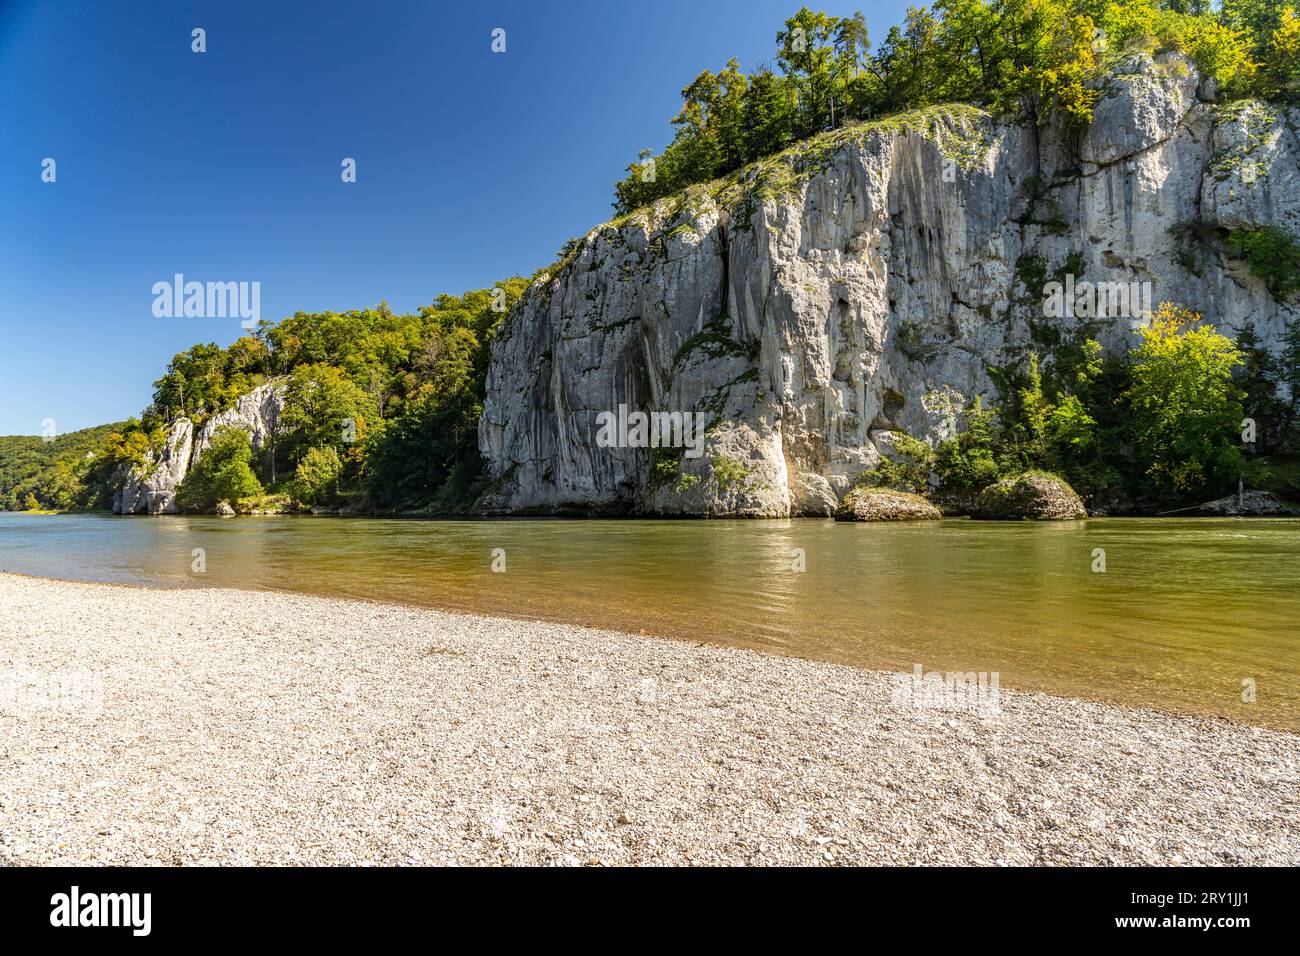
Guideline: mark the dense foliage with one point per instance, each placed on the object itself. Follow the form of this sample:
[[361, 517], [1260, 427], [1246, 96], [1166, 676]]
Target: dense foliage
[[1031, 57], [223, 473], [1179, 419], [1273, 255], [57, 475], [1186, 414], [380, 410], [316, 480]]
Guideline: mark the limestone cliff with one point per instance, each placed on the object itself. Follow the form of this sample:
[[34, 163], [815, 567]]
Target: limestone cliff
[[151, 489], [866, 282], [257, 413]]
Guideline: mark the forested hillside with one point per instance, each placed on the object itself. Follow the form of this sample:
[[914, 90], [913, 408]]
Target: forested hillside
[[380, 410], [60, 474], [1039, 57]]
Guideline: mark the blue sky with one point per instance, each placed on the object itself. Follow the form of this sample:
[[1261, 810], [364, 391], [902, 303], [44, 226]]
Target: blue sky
[[224, 166]]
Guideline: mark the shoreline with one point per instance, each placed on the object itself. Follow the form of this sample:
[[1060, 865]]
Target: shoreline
[[277, 727], [1177, 515], [454, 611]]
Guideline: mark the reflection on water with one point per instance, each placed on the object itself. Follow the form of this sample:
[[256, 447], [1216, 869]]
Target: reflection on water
[[1186, 610]]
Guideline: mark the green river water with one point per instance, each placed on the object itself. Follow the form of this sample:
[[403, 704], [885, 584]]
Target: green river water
[[1186, 610]]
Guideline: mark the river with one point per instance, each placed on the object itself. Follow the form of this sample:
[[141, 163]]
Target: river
[[1185, 615]]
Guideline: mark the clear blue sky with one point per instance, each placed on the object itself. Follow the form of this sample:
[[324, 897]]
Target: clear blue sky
[[472, 166]]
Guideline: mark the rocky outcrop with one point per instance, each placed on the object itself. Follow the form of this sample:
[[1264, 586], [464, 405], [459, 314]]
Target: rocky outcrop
[[257, 413], [151, 489], [1033, 496], [884, 504], [866, 282], [1249, 504]]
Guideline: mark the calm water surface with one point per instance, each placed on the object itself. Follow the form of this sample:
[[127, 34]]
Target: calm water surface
[[1185, 611]]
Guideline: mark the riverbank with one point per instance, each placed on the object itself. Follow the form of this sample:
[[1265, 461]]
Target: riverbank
[[221, 726]]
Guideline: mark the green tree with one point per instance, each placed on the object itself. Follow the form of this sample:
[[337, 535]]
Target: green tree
[[1281, 61], [909, 469], [1068, 65], [193, 384], [1273, 255], [316, 480], [965, 461], [414, 455], [910, 58], [322, 406], [972, 48], [710, 125], [1258, 21], [806, 52], [768, 115], [1258, 377], [223, 473], [1185, 407]]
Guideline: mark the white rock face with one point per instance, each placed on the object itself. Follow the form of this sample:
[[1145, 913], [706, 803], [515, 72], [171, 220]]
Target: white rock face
[[153, 491], [869, 288], [257, 413], [1146, 102]]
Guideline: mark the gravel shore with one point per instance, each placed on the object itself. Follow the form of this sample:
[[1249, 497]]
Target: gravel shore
[[211, 726]]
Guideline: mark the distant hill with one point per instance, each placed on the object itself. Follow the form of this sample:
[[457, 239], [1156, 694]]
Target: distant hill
[[51, 472]]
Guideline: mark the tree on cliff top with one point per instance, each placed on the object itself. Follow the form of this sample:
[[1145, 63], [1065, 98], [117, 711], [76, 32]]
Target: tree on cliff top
[[1038, 57]]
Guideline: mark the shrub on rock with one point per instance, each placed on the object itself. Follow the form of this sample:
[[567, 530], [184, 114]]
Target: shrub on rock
[[1034, 495]]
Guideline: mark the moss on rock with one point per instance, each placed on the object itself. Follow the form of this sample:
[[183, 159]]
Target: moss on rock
[[1034, 495], [884, 504]]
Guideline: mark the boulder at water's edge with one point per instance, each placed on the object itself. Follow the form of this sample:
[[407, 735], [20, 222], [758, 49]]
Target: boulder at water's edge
[[1036, 496]]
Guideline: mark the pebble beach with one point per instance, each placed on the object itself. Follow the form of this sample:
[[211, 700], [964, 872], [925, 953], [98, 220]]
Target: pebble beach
[[213, 726]]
